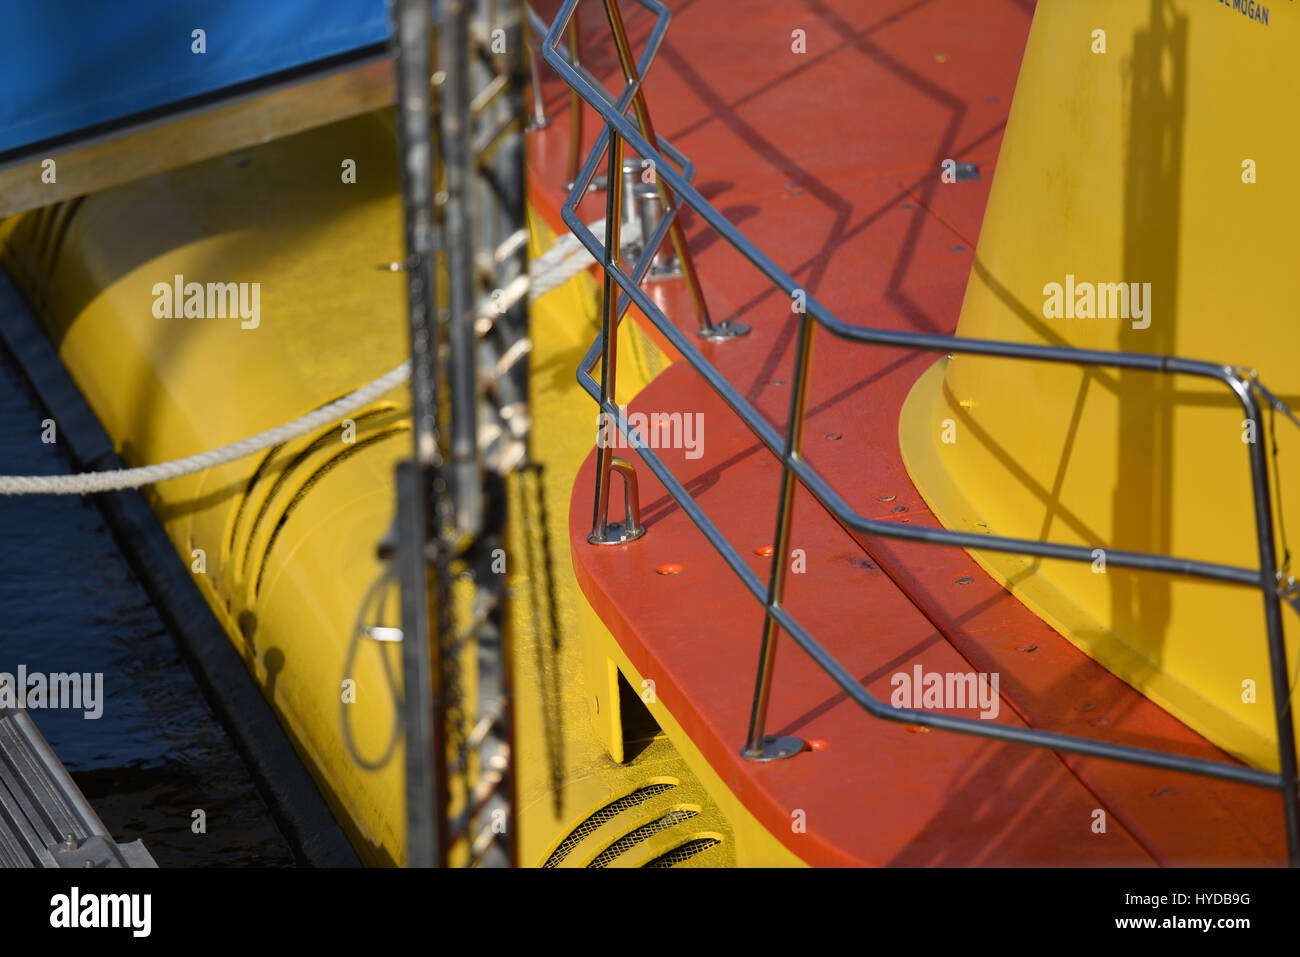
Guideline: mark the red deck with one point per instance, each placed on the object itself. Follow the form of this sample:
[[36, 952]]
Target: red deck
[[829, 161]]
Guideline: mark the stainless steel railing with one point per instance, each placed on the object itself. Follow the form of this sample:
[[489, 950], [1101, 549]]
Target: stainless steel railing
[[584, 177], [794, 469]]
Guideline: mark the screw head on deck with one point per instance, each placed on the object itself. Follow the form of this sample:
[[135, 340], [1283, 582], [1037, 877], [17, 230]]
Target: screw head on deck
[[776, 748]]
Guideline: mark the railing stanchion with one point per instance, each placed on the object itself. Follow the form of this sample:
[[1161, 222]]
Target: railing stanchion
[[719, 332], [760, 746], [603, 531], [576, 107], [1279, 674], [539, 120]]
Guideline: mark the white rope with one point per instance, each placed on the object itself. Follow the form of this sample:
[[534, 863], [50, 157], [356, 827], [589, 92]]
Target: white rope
[[568, 257], [148, 474], [564, 260]]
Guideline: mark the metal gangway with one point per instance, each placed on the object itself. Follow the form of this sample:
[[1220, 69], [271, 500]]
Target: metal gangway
[[45, 820]]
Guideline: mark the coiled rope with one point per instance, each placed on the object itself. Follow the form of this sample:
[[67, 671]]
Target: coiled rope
[[566, 258]]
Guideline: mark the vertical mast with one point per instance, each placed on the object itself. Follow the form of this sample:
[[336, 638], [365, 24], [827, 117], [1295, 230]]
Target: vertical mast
[[461, 120]]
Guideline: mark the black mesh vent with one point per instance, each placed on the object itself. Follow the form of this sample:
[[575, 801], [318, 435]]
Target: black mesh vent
[[645, 831], [684, 852], [607, 813]]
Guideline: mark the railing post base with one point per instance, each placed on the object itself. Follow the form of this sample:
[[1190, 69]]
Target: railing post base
[[616, 533], [597, 185], [775, 748], [605, 532], [723, 331]]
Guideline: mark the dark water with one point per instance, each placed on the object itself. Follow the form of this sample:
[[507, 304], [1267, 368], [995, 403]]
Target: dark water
[[70, 602]]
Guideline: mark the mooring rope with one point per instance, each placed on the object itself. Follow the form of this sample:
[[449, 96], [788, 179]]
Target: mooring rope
[[566, 258]]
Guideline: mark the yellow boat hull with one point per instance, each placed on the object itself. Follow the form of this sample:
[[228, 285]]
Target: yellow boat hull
[[1143, 202], [283, 545]]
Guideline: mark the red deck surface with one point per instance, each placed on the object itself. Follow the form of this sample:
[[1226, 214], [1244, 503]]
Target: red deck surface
[[829, 161]]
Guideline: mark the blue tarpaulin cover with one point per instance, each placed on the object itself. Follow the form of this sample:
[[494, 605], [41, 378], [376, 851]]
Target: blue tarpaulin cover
[[69, 65]]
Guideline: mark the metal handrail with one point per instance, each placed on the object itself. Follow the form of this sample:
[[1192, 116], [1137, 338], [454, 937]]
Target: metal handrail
[[582, 178], [540, 120], [793, 467]]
